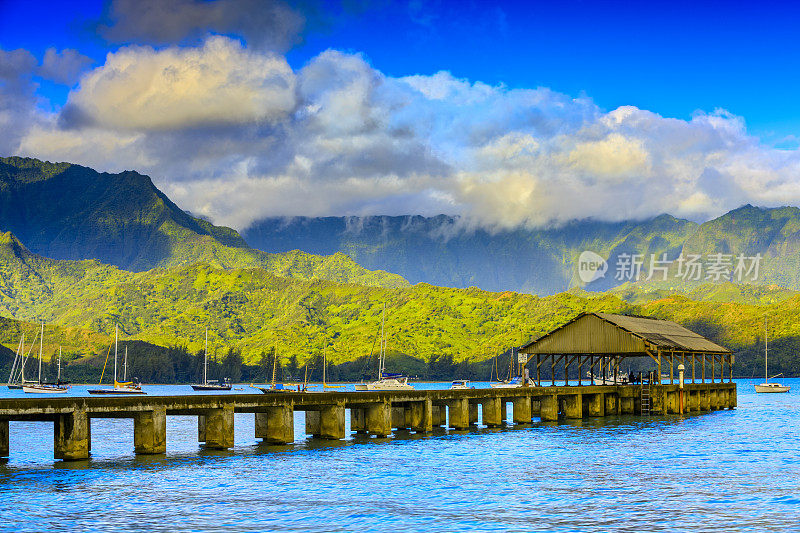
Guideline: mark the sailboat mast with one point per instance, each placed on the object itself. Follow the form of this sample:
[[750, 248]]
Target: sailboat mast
[[58, 378], [41, 342], [766, 352], [22, 369], [274, 365], [324, 365], [382, 352], [125, 365], [116, 339], [205, 361]]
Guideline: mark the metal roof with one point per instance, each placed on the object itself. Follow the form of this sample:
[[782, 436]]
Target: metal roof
[[607, 333]]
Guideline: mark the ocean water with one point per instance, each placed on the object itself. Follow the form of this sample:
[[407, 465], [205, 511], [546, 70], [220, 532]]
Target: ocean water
[[733, 470]]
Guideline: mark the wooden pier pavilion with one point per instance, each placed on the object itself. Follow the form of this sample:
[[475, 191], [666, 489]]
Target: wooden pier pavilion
[[379, 413]]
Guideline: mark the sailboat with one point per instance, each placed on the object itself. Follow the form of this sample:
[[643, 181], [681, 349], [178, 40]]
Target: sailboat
[[324, 367], [385, 381], [16, 380], [767, 386], [513, 382], [44, 388], [124, 387], [211, 384], [274, 387]]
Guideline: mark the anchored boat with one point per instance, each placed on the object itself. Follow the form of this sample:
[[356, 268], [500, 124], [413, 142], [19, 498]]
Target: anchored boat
[[45, 388], [124, 387], [385, 381], [210, 384], [767, 386]]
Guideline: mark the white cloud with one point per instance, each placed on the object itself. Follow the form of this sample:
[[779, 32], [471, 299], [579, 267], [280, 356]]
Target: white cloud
[[139, 88], [235, 135]]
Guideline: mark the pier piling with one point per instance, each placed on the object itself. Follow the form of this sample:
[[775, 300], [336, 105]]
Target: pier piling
[[150, 431], [4, 446], [71, 436], [219, 428]]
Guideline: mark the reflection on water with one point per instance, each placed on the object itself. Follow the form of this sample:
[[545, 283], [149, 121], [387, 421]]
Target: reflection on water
[[725, 471]]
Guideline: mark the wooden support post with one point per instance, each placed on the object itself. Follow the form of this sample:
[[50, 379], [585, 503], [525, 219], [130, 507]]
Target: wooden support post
[[219, 428], [71, 436], [573, 406], [276, 425], [553, 369], [522, 410], [658, 377], [591, 369], [459, 413], [538, 371], [379, 419], [671, 366], [694, 358], [548, 410], [4, 444], [150, 431], [713, 367], [703, 370], [730, 368], [422, 416], [580, 370]]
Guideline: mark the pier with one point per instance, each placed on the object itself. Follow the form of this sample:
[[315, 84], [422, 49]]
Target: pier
[[372, 413]]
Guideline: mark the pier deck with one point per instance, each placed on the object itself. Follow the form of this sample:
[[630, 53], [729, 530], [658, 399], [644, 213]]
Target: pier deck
[[375, 413]]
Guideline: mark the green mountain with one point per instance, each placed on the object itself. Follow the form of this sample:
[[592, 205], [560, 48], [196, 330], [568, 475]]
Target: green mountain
[[438, 250], [66, 211], [441, 251], [253, 311]]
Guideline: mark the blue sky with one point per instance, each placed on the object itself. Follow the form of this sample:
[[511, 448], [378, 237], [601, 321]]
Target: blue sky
[[507, 113]]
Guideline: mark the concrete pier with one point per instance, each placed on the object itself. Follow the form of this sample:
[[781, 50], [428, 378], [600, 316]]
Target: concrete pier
[[219, 428], [379, 419], [150, 431], [275, 425], [374, 413], [71, 436]]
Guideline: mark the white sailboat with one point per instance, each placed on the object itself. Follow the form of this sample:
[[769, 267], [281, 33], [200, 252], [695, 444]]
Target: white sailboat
[[39, 387], [513, 382], [385, 381], [210, 384], [16, 380], [124, 387], [274, 385], [325, 384], [767, 386]]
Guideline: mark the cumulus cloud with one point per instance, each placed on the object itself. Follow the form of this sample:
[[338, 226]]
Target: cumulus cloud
[[139, 88], [264, 24], [63, 67], [235, 135], [17, 101]]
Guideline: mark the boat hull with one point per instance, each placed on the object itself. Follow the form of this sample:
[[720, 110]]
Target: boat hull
[[116, 391], [384, 384], [33, 389], [211, 387], [772, 387]]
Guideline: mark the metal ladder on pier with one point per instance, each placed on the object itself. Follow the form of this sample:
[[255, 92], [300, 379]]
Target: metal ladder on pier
[[645, 395]]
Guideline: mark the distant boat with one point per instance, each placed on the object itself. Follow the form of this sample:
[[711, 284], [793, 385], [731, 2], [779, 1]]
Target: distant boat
[[767, 386], [16, 379], [514, 383], [461, 384], [210, 384], [324, 367], [124, 387], [385, 381], [622, 379], [274, 387], [44, 388]]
